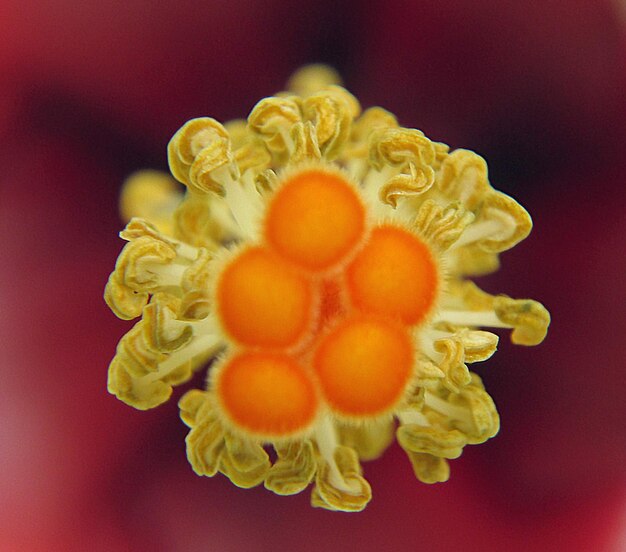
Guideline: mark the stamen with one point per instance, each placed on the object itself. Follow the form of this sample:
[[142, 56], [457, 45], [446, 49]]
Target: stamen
[[315, 219], [443, 407], [412, 417], [150, 195], [327, 443], [394, 275], [266, 394], [487, 319], [244, 203], [167, 275], [478, 231], [201, 346]]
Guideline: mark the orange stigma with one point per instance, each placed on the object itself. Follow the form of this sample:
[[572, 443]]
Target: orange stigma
[[315, 218], [364, 365], [266, 394], [263, 301], [395, 275]]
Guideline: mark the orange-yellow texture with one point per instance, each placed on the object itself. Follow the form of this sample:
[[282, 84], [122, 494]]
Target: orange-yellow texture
[[395, 275], [364, 365], [263, 301], [315, 218], [267, 394]]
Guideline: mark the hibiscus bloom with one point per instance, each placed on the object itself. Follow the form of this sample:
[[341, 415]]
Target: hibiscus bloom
[[91, 99]]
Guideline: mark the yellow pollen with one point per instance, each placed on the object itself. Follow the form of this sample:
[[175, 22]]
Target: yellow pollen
[[267, 394], [364, 365], [315, 219], [263, 301], [394, 275]]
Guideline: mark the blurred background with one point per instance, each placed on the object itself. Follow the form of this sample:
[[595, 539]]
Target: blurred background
[[90, 92]]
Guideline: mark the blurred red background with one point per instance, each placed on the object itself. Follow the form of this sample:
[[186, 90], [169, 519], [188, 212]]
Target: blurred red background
[[90, 92]]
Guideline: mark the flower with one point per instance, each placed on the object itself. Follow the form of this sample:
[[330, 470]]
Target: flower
[[320, 259]]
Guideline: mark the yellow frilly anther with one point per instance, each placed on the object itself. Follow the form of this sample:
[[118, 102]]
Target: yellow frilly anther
[[249, 151], [199, 273], [163, 332], [369, 440], [137, 273], [427, 374], [141, 377], [463, 177], [125, 302], [212, 449], [272, 119], [453, 363], [371, 122], [410, 151], [150, 195], [469, 295], [500, 224], [195, 222], [138, 227], [509, 222], [312, 78], [294, 468], [529, 319], [332, 111], [478, 345], [442, 226], [345, 491], [196, 153], [305, 144], [205, 441], [244, 462], [472, 261], [429, 468], [471, 411], [430, 440], [462, 346], [139, 263]]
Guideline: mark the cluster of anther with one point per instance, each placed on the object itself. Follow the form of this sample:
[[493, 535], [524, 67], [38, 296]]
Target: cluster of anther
[[307, 257], [323, 308]]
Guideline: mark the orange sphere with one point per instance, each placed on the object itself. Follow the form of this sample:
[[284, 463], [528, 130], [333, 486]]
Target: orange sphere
[[364, 365], [266, 394], [315, 218]]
